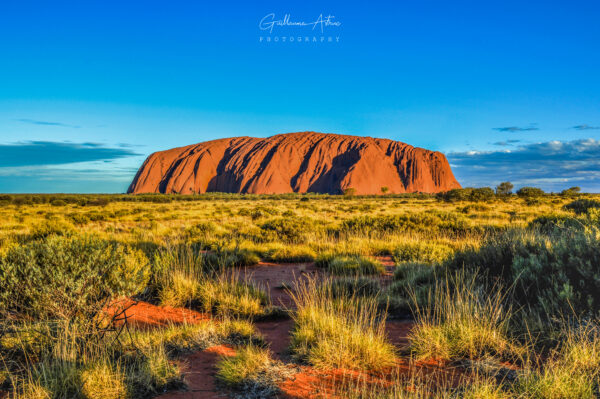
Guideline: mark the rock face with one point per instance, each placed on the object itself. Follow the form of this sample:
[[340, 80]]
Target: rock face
[[295, 162]]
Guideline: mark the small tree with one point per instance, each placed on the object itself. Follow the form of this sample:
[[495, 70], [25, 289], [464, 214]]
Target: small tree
[[385, 189], [571, 191], [504, 188]]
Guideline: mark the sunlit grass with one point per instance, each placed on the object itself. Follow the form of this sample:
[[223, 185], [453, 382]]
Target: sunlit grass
[[339, 331], [461, 321]]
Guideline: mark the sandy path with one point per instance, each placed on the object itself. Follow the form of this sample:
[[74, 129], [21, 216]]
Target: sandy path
[[199, 374]]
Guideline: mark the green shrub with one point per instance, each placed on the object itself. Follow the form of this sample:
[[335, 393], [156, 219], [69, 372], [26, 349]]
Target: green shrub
[[553, 275], [289, 229], [226, 258], [68, 277], [482, 194], [349, 192], [504, 188], [581, 206], [530, 192], [571, 192], [456, 194], [201, 230], [434, 222], [422, 251], [51, 227], [467, 194], [549, 224]]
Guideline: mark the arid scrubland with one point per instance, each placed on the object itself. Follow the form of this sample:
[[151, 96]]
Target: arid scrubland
[[503, 292]]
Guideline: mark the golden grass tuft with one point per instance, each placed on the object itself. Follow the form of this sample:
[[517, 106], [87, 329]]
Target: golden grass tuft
[[343, 332], [460, 321], [103, 381]]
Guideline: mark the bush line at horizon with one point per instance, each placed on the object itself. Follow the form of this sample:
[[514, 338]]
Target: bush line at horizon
[[467, 193], [556, 232]]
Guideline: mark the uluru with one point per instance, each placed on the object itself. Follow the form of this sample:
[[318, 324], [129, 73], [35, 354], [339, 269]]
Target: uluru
[[295, 162]]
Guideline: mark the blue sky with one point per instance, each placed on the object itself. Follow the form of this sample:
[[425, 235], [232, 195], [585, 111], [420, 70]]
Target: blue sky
[[509, 90]]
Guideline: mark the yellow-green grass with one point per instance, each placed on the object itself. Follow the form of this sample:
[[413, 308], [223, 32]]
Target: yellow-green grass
[[339, 332], [75, 364], [223, 295], [185, 279], [416, 385], [571, 371], [135, 364], [148, 223], [253, 370], [460, 321]]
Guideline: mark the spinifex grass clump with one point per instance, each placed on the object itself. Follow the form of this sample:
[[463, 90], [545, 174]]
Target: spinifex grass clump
[[75, 362], [193, 337], [253, 372], [231, 257], [462, 321], [414, 384], [345, 332], [572, 370], [225, 293]]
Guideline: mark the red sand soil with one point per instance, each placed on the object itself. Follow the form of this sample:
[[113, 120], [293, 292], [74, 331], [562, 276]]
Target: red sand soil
[[278, 278], [295, 162], [146, 315], [310, 383], [277, 334], [397, 332]]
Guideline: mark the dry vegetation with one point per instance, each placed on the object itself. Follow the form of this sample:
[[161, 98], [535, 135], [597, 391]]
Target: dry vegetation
[[504, 289]]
